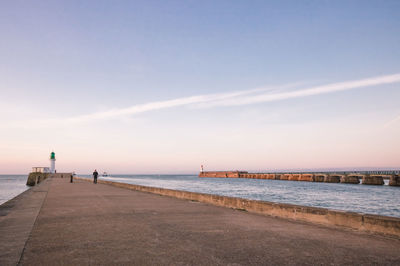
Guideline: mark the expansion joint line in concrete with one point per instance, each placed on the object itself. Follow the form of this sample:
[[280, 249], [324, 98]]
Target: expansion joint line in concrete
[[34, 223]]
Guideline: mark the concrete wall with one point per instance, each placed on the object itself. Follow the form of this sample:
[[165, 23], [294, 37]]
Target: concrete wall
[[222, 174], [36, 177], [394, 180], [332, 178], [294, 177], [349, 178], [319, 177], [373, 180], [307, 177], [362, 222], [61, 175]]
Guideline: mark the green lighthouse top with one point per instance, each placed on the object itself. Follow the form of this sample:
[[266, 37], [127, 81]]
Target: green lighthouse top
[[52, 155]]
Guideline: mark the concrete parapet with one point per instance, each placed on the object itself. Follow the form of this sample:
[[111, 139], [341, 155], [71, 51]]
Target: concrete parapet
[[357, 221], [294, 177], [307, 177], [61, 175], [222, 174], [394, 180], [270, 176], [319, 177], [259, 176], [351, 179], [36, 178], [373, 180], [332, 178], [382, 224]]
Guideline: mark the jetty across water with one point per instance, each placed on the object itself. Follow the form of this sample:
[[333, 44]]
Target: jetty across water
[[80, 223], [366, 177]]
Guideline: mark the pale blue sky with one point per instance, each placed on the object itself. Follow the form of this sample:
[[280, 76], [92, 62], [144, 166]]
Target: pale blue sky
[[64, 60]]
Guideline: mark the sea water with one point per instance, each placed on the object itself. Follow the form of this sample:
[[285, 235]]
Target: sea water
[[382, 200], [11, 186]]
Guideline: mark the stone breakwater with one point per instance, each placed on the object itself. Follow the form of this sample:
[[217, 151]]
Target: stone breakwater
[[358, 221], [347, 178], [35, 178]]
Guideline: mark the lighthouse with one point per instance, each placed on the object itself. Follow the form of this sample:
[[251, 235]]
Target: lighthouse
[[52, 162]]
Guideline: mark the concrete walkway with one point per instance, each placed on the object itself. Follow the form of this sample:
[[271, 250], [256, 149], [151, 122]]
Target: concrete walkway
[[87, 224]]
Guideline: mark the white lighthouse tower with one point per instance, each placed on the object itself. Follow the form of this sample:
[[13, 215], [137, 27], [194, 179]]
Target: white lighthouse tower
[[52, 162]]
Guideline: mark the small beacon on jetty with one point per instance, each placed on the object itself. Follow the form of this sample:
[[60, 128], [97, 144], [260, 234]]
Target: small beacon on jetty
[[52, 162]]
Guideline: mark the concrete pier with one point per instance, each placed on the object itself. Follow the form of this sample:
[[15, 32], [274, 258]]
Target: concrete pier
[[35, 178], [351, 179], [294, 177], [307, 177], [372, 180], [394, 180], [332, 178], [368, 178], [59, 223], [285, 176], [319, 177]]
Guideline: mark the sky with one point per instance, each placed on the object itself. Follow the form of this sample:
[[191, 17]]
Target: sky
[[162, 87]]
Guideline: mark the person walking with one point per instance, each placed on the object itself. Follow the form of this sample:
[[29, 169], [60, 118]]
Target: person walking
[[72, 178], [95, 174]]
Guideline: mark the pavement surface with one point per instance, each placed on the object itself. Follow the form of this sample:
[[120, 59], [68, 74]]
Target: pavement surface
[[59, 223]]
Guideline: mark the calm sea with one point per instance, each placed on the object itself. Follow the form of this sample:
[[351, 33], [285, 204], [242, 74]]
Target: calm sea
[[11, 186], [382, 200]]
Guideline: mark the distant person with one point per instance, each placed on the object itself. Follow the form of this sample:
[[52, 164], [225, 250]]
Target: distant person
[[72, 178], [95, 174]]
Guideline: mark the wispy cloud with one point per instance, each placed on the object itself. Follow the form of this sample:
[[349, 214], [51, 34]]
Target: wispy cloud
[[246, 97], [392, 122], [329, 88], [184, 101]]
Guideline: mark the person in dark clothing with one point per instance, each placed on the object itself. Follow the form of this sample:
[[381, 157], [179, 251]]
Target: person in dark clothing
[[95, 174], [72, 178]]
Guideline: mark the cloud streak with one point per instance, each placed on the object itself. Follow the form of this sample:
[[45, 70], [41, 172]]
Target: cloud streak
[[236, 98], [184, 101], [241, 97], [392, 122], [324, 89]]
